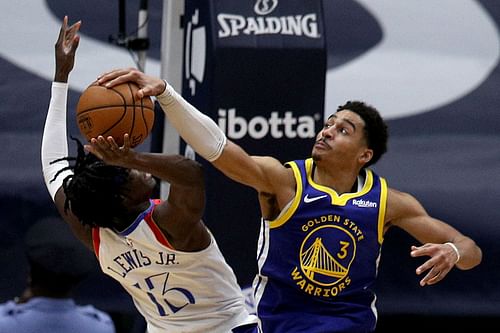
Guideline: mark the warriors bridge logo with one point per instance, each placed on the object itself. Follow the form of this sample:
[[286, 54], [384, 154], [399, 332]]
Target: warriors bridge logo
[[324, 265]]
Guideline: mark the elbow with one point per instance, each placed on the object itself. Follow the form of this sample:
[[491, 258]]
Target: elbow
[[198, 175], [478, 256], [195, 174]]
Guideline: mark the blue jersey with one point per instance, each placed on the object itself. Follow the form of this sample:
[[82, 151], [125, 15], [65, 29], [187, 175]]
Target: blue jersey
[[54, 315], [318, 260]]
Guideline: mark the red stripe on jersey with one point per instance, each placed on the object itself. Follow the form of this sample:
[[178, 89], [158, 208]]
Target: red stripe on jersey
[[160, 237], [96, 240]]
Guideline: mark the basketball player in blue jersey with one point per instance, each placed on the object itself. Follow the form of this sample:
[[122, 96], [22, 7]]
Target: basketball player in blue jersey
[[159, 251], [323, 218]]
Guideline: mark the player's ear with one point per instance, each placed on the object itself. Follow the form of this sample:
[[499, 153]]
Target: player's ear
[[366, 156]]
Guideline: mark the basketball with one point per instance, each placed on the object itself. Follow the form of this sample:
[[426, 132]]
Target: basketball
[[114, 112]]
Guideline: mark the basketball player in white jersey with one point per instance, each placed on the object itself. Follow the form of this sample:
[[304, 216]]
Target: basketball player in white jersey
[[159, 251]]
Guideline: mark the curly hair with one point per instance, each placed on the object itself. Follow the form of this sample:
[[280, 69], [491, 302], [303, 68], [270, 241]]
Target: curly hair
[[376, 130], [94, 190]]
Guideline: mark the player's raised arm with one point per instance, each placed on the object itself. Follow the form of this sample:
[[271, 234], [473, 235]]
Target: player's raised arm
[[54, 141], [445, 246], [265, 174]]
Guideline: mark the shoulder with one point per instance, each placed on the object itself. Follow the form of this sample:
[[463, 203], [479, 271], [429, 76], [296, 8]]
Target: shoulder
[[11, 316], [100, 321], [402, 205], [9, 309], [397, 198], [98, 315]]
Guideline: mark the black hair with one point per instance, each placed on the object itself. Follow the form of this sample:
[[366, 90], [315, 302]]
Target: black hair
[[94, 190], [56, 283], [57, 261], [376, 131]]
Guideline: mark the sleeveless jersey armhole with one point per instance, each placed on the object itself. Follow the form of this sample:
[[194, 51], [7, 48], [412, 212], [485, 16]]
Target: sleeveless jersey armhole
[[158, 233], [381, 212], [291, 207]]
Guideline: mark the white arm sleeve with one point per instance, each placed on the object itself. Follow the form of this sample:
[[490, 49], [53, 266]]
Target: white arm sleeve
[[196, 128], [54, 140]]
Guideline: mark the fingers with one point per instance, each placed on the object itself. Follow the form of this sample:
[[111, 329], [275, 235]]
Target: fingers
[[75, 27], [126, 142], [432, 277], [437, 266], [62, 31], [117, 76], [107, 149], [68, 38], [74, 45], [148, 85], [103, 148], [93, 151]]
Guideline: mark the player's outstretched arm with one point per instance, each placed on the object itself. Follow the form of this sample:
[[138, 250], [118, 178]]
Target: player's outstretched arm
[[265, 174], [445, 246], [54, 140]]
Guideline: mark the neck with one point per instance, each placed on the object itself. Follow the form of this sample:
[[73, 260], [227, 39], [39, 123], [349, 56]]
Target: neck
[[41, 292], [341, 181]]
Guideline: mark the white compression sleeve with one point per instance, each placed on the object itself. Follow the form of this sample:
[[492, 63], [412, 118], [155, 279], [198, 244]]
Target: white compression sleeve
[[196, 128], [54, 140]]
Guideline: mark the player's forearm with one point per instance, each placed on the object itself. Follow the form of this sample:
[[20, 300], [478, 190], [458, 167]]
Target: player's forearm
[[175, 169], [470, 254], [197, 129], [54, 142], [61, 76]]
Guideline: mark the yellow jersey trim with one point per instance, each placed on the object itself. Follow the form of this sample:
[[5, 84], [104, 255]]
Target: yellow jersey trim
[[285, 215], [381, 211], [339, 200]]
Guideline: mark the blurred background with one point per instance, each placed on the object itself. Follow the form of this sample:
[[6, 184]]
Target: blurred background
[[430, 67]]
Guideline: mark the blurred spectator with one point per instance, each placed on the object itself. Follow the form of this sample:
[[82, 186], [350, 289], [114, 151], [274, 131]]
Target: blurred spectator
[[58, 262]]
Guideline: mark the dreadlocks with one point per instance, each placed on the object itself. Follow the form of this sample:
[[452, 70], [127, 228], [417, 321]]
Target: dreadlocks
[[94, 190]]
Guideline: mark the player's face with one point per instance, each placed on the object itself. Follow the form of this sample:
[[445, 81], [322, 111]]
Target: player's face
[[342, 137]]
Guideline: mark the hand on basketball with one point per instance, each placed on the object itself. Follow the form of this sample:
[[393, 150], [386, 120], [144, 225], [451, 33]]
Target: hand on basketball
[[108, 150], [438, 266], [149, 85]]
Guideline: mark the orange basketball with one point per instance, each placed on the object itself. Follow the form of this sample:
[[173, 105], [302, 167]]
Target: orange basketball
[[114, 112]]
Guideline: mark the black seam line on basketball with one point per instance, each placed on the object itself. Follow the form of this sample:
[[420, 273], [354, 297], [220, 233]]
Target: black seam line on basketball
[[116, 123], [133, 114], [103, 132], [144, 120], [124, 113], [112, 106], [148, 130]]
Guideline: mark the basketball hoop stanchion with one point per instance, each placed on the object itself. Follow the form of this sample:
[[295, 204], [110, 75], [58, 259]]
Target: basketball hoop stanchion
[[136, 41], [142, 34], [258, 69]]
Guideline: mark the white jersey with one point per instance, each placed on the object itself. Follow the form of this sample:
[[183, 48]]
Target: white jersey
[[175, 291]]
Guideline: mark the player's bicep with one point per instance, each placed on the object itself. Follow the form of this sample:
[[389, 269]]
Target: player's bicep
[[258, 172], [407, 213]]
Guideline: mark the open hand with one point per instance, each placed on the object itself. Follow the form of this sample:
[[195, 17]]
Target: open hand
[[442, 259], [65, 48], [149, 85], [108, 150]]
